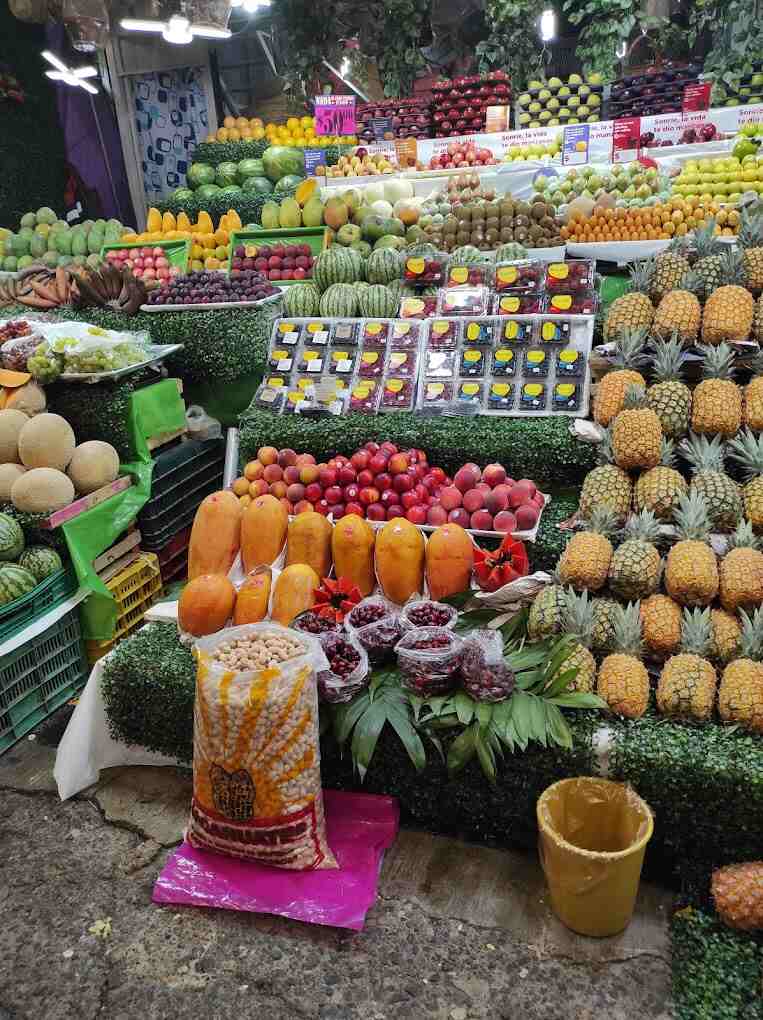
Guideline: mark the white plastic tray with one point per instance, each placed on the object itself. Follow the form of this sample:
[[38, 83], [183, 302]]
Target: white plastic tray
[[620, 252], [158, 353]]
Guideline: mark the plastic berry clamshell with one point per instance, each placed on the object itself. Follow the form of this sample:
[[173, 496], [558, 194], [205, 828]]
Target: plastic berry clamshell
[[418, 307], [500, 396], [281, 359], [364, 397], [461, 274], [581, 302], [479, 332], [425, 271], [371, 363], [345, 334], [554, 331], [565, 396], [404, 333], [397, 394], [570, 277], [470, 393], [403, 364], [513, 332], [316, 333], [298, 400], [533, 396], [285, 333], [519, 277], [536, 364], [503, 363], [342, 360], [270, 395], [570, 364], [440, 364], [436, 394], [376, 332], [464, 301], [312, 362], [473, 362], [518, 304], [443, 335]]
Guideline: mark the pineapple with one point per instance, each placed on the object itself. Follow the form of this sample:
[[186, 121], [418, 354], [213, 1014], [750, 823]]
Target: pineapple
[[669, 397], [686, 688], [668, 270], [607, 485], [623, 681], [679, 312], [753, 391], [546, 617], [578, 623], [740, 698], [658, 488], [717, 401], [636, 433], [610, 391], [709, 480], [585, 561], [634, 310], [751, 242], [747, 450], [740, 572], [661, 622], [727, 634], [636, 565], [730, 308], [709, 267], [757, 321], [603, 629], [737, 891], [691, 571]]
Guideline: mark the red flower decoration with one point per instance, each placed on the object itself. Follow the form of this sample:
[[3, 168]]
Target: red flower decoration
[[495, 569], [335, 598]]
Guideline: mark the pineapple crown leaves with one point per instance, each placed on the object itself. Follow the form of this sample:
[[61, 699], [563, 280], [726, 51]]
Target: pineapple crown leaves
[[604, 451], [635, 398], [733, 270], [641, 274], [706, 242], [692, 283], [743, 538], [629, 349], [691, 518], [678, 246], [578, 617], [669, 358], [696, 632], [667, 453], [751, 638], [746, 449], [626, 635], [718, 361], [750, 229], [703, 453], [643, 527], [601, 522]]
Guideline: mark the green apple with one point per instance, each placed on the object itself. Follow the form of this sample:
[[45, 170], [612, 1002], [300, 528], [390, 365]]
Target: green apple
[[564, 111], [584, 91], [757, 79], [535, 85], [574, 120], [544, 116], [525, 99], [574, 79], [535, 107], [594, 78], [534, 123], [554, 122], [553, 104]]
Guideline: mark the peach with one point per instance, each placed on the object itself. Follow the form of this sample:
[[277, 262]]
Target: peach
[[505, 521], [308, 473], [437, 515], [241, 486], [527, 517], [302, 507], [459, 516], [497, 500], [295, 493], [253, 470], [287, 457], [278, 489], [473, 500], [267, 455], [528, 484], [305, 458], [519, 494], [398, 463], [482, 521], [291, 474], [466, 477], [286, 505], [272, 473], [451, 498], [494, 474], [258, 488]]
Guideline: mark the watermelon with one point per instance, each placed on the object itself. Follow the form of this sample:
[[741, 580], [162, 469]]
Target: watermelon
[[340, 301], [15, 582], [182, 194], [230, 190], [358, 262], [200, 173], [41, 561], [281, 160], [468, 255], [249, 168], [334, 266], [207, 191], [226, 174], [11, 538], [383, 266], [510, 251], [301, 301], [378, 302], [257, 185], [286, 185]]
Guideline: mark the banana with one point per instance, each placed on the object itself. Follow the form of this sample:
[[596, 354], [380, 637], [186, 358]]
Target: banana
[[34, 301]]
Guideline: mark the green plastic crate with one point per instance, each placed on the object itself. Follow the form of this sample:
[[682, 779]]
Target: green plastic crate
[[14, 616], [178, 251], [39, 676], [315, 237]]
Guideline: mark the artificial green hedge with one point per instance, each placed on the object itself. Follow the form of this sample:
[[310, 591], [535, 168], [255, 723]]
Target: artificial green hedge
[[538, 448]]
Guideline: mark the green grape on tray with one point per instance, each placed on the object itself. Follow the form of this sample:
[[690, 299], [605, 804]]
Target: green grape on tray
[[44, 365]]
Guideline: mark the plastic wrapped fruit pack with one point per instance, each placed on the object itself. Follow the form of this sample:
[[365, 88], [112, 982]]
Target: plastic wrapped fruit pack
[[348, 671], [426, 613], [429, 659], [375, 624]]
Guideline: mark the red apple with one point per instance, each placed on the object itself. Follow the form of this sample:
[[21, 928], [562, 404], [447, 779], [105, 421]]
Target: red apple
[[388, 447], [322, 507], [417, 515], [347, 475], [421, 491], [505, 521], [438, 473], [395, 511], [459, 516], [369, 495], [402, 483], [437, 515], [378, 463], [398, 463], [473, 500], [350, 492], [327, 476], [291, 474], [409, 499], [333, 494], [376, 512], [360, 460], [287, 457], [354, 508], [482, 521], [372, 448], [313, 492], [383, 481], [451, 498], [494, 474], [364, 478], [337, 511], [341, 459], [295, 492], [389, 498]]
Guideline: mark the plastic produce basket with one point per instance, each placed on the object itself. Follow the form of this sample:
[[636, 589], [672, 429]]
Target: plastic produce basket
[[39, 676], [14, 616], [315, 237], [134, 590], [177, 252]]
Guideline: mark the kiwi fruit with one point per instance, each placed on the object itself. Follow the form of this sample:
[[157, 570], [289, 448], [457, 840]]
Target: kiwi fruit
[[522, 209], [463, 212], [538, 210], [462, 237], [493, 209], [521, 221], [491, 236], [450, 226], [478, 214], [548, 223], [535, 231], [537, 198], [506, 234], [492, 223], [520, 234], [507, 208]]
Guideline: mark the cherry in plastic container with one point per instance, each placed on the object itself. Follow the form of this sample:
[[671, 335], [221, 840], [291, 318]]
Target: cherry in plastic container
[[419, 613], [429, 659], [311, 623], [349, 668], [375, 625]]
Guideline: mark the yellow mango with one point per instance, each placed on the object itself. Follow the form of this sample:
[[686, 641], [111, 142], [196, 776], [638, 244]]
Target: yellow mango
[[205, 223], [182, 222], [233, 220]]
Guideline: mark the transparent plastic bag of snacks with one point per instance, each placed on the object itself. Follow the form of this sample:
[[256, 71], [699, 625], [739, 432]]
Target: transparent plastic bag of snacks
[[483, 666], [16, 352], [375, 624], [432, 669], [338, 687], [419, 612], [256, 759]]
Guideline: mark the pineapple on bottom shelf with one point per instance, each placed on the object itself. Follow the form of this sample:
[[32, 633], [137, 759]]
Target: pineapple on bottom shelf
[[729, 309], [623, 681], [669, 396], [747, 450], [727, 634], [740, 571], [669, 268], [611, 389], [717, 400], [691, 569], [737, 890], [585, 561], [751, 243], [679, 313], [686, 688], [740, 697], [636, 433], [578, 624], [636, 565], [634, 310], [753, 391], [709, 267], [661, 625], [710, 481], [547, 612], [606, 485], [659, 488]]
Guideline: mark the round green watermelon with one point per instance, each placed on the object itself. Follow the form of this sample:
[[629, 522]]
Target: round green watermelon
[[283, 161], [250, 168], [285, 185], [257, 185], [231, 190], [15, 582], [41, 561], [182, 194], [207, 191], [226, 174], [11, 538], [200, 173]]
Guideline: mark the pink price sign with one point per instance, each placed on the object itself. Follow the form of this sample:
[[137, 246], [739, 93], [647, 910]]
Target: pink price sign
[[335, 115]]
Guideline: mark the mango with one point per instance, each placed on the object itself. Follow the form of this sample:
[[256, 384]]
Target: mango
[[308, 540], [449, 561], [289, 214], [335, 213], [294, 592], [352, 546], [400, 560]]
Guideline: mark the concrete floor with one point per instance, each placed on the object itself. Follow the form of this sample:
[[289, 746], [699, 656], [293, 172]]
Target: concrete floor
[[458, 933]]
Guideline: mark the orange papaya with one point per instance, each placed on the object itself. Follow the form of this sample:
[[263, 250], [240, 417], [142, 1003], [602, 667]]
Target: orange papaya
[[253, 597], [215, 535], [309, 541], [352, 546], [449, 561], [400, 560], [293, 593], [263, 531], [205, 604]]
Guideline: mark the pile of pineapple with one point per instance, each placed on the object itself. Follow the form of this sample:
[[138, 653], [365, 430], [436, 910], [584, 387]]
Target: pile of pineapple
[[641, 585]]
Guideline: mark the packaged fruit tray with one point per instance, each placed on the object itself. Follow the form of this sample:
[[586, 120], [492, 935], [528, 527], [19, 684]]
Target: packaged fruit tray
[[309, 240], [177, 252], [156, 352]]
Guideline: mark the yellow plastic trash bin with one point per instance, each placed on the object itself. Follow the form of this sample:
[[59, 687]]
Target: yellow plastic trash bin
[[593, 835]]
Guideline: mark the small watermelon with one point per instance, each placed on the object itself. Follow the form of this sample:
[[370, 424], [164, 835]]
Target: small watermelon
[[383, 266], [378, 302], [41, 561], [334, 266], [15, 582], [11, 538], [510, 251], [286, 185], [340, 301], [301, 301]]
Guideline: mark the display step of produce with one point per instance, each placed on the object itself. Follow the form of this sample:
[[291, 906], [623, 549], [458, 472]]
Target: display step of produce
[[460, 105], [556, 101], [42, 237], [656, 90]]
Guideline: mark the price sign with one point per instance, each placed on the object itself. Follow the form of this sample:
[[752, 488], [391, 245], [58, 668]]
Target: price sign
[[625, 139], [406, 151], [575, 148], [335, 115], [313, 158], [382, 128], [696, 97]]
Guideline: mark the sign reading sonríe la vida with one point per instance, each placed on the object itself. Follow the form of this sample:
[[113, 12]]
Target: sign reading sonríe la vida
[[335, 115]]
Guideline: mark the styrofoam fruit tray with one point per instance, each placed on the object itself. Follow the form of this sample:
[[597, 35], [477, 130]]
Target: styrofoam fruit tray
[[157, 352]]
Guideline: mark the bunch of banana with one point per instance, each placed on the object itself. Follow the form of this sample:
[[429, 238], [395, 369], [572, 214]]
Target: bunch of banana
[[38, 287], [113, 288]]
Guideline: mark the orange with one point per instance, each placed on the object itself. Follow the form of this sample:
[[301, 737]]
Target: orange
[[229, 122], [222, 134]]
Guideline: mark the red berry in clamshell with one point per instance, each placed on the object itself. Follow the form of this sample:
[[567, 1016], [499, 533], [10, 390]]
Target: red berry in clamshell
[[505, 521], [376, 512], [482, 521]]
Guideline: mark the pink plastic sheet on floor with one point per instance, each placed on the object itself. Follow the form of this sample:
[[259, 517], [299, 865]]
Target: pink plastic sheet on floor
[[360, 827]]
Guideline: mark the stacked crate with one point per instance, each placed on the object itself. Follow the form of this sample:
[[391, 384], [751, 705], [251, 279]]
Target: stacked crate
[[135, 589]]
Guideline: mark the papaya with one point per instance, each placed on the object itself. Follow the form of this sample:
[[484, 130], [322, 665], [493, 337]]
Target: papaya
[[204, 223], [400, 560], [263, 531], [294, 592], [352, 547], [253, 597], [153, 220], [206, 604], [309, 541], [449, 561], [215, 535]]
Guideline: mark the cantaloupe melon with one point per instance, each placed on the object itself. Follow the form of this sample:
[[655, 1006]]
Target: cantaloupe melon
[[93, 465], [46, 441], [8, 475], [11, 423], [30, 399], [41, 491]]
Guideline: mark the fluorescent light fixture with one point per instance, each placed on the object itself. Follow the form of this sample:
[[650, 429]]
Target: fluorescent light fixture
[[177, 30], [344, 70], [621, 50], [548, 25], [74, 76], [252, 6]]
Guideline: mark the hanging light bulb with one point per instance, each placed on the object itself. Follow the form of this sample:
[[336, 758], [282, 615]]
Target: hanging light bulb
[[548, 25], [74, 76], [621, 50], [178, 29]]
